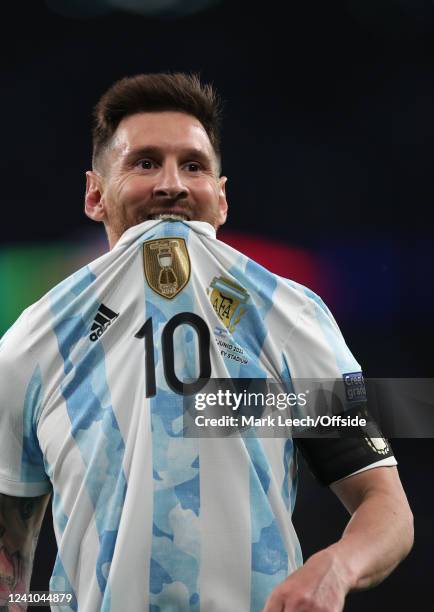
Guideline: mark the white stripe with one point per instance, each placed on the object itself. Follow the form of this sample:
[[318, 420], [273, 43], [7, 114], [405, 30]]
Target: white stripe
[[224, 581], [308, 339]]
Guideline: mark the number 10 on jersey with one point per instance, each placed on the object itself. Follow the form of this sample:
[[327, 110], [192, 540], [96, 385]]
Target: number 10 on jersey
[[167, 349]]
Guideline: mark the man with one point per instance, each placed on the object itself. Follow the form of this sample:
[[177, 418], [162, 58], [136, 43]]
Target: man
[[93, 378]]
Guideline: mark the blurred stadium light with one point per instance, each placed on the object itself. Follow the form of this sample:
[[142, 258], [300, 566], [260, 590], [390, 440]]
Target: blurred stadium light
[[29, 271], [148, 8], [340, 273]]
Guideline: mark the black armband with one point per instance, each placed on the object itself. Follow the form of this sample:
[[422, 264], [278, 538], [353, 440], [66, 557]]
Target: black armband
[[333, 458]]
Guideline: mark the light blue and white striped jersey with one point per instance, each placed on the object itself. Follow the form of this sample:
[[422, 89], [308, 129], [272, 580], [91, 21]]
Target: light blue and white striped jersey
[[89, 409]]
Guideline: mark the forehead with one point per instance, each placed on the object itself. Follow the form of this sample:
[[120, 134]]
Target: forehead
[[171, 131]]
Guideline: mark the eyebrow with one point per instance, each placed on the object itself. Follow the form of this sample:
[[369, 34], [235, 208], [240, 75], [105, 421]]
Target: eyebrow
[[154, 151]]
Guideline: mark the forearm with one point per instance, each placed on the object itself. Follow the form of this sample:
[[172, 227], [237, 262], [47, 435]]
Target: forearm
[[16, 563], [378, 536], [15, 573], [20, 520]]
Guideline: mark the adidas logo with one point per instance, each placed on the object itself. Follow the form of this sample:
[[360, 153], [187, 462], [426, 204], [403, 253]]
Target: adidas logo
[[103, 318]]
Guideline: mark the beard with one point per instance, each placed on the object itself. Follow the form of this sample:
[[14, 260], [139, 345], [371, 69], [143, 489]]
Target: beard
[[120, 221], [122, 218]]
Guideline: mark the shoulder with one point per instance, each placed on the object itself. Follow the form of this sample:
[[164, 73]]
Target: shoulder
[[310, 304]]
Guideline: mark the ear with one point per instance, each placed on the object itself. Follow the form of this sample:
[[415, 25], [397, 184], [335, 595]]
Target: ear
[[223, 204], [93, 201]]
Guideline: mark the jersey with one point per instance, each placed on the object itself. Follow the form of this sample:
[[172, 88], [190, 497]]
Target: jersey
[[89, 410]]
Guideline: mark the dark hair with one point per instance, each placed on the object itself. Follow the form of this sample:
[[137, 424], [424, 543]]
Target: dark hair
[[155, 93]]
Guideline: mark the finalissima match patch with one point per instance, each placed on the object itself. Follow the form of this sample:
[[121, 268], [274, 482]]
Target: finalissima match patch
[[354, 384]]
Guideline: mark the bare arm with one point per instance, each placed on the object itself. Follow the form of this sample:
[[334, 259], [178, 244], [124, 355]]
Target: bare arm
[[377, 538], [379, 534], [20, 522]]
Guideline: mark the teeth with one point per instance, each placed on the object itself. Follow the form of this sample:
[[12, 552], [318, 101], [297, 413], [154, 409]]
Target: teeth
[[173, 216]]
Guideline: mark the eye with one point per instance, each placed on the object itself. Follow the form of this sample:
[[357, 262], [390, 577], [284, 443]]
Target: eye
[[145, 164], [193, 167]]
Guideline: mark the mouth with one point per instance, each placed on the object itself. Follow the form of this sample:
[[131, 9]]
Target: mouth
[[173, 216]]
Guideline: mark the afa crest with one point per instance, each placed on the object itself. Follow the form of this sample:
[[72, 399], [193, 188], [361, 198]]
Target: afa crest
[[167, 265], [227, 299]]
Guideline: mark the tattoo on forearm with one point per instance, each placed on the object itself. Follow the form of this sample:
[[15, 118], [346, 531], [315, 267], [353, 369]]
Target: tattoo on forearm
[[26, 508], [11, 568], [20, 520]]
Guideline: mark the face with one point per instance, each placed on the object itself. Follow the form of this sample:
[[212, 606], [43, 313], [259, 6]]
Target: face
[[157, 164]]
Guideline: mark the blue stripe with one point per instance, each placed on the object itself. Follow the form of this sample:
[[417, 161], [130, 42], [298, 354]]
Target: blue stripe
[[32, 460], [59, 581]]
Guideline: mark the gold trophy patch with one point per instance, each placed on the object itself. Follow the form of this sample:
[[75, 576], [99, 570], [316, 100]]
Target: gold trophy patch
[[167, 265]]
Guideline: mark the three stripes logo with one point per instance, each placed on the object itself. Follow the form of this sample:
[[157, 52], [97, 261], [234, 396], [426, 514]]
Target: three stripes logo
[[103, 318]]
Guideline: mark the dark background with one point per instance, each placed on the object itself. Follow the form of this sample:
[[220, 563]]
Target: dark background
[[327, 143]]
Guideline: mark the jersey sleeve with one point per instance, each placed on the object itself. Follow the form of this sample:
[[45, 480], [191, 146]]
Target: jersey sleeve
[[22, 472], [315, 346], [316, 349]]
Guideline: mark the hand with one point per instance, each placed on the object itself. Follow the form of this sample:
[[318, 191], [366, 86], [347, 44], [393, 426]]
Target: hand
[[320, 585]]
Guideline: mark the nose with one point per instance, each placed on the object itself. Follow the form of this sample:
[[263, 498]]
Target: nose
[[169, 184]]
